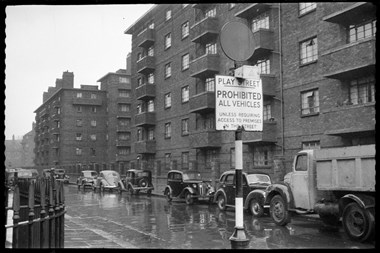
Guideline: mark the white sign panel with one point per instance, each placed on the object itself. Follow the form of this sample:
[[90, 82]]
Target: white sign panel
[[238, 102]]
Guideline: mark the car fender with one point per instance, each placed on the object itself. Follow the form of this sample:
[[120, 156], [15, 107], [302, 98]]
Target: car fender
[[220, 192], [104, 182], [121, 184], [189, 189], [280, 189], [258, 194], [168, 188]]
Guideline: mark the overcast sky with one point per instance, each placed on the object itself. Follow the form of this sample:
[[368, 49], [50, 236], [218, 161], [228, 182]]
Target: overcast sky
[[44, 41]]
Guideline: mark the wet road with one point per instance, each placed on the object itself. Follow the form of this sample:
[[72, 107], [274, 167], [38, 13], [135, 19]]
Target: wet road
[[111, 220]]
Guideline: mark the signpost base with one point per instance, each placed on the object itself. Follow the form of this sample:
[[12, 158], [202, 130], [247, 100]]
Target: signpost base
[[239, 239]]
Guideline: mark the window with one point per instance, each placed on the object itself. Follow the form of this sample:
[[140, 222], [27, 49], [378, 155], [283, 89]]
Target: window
[[151, 26], [301, 163], [211, 12], [168, 100], [230, 179], [210, 158], [139, 134], [260, 21], [309, 51], [93, 137], [168, 41], [79, 94], [311, 145], [262, 156], [362, 31], [306, 7], [124, 93], [151, 51], [211, 48], [79, 108], [263, 66], [124, 151], [310, 102], [232, 157], [58, 110], [124, 122], [93, 123], [185, 160], [93, 96], [185, 127], [124, 136], [92, 151], [150, 106], [168, 159], [123, 80], [124, 107], [168, 15], [151, 134], [93, 109], [79, 137], [139, 109], [139, 82], [210, 84], [78, 151], [151, 78], [79, 122], [267, 111], [362, 90], [58, 124], [168, 130], [185, 30], [168, 70], [185, 94], [139, 56], [185, 61]]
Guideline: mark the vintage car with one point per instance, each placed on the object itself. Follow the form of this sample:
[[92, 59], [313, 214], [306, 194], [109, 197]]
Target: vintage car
[[46, 173], [254, 186], [138, 180], [189, 186], [21, 174], [108, 180], [60, 174], [86, 178]]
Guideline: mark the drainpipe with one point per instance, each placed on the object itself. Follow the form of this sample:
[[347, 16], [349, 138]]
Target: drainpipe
[[281, 81]]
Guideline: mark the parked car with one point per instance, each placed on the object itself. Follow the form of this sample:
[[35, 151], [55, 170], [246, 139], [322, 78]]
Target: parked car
[[46, 173], [60, 174], [86, 178], [254, 186], [21, 174], [138, 180], [188, 186], [108, 180]]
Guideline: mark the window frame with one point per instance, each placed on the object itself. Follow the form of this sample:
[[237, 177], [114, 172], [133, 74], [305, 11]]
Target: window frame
[[304, 52], [167, 41], [185, 96], [167, 100], [168, 70], [316, 103], [185, 64], [185, 127], [307, 8], [185, 32], [168, 130]]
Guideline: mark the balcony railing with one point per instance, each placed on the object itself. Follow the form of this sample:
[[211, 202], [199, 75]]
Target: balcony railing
[[203, 102], [122, 114], [145, 118], [204, 30], [145, 147], [205, 139], [205, 65], [146, 91], [87, 101], [268, 83], [146, 38], [268, 135], [254, 10], [123, 143], [146, 65]]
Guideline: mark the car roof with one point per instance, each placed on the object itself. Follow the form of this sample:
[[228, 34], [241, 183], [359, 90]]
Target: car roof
[[108, 171], [89, 171], [175, 171]]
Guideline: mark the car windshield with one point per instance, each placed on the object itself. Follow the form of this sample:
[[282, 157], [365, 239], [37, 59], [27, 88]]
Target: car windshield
[[90, 173], [258, 178], [192, 176], [111, 174], [143, 174], [60, 171]]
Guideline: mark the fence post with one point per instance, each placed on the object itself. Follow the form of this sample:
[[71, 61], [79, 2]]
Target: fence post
[[56, 209], [43, 212], [51, 213], [31, 212], [62, 199], [16, 211]]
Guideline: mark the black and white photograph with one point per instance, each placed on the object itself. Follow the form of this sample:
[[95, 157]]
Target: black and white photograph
[[190, 125]]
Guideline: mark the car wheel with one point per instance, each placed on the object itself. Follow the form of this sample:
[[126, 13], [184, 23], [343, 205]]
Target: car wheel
[[101, 187], [188, 199], [221, 201], [168, 196], [358, 223], [257, 210], [279, 211], [143, 183], [131, 191], [149, 192]]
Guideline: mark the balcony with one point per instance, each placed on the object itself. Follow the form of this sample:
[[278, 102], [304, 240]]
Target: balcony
[[268, 83], [44, 113], [124, 143], [254, 10], [205, 65], [146, 91], [123, 129], [87, 101], [263, 40], [146, 38], [120, 158], [359, 58], [123, 114], [204, 30], [267, 136], [202, 6], [146, 65], [350, 119], [203, 102], [357, 11], [205, 139], [145, 147], [124, 100], [145, 119]]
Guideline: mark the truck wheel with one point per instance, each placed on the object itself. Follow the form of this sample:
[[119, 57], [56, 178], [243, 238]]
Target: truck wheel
[[257, 210], [168, 196], [188, 199], [358, 223], [221, 201], [279, 211]]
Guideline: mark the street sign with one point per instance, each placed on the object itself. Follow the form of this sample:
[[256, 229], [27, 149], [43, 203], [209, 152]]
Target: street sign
[[238, 102]]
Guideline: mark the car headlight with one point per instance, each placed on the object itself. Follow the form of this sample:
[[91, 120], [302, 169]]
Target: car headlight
[[194, 185]]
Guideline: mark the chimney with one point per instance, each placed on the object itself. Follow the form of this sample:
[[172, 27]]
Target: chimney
[[68, 79]]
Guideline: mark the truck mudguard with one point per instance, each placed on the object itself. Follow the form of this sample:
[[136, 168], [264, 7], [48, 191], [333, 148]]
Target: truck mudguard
[[255, 194], [363, 200], [281, 189]]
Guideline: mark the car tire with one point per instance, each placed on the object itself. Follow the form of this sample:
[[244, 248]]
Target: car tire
[[168, 196], [101, 186], [188, 199], [131, 191], [143, 182], [221, 202], [279, 211], [358, 223], [256, 209]]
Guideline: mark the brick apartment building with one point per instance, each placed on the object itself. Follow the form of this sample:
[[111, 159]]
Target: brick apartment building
[[317, 63]]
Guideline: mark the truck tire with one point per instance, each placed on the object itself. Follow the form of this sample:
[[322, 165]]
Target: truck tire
[[279, 211], [256, 209], [221, 202], [358, 223], [188, 199]]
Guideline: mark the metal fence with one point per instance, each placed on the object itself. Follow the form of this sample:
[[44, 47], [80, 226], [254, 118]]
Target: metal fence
[[38, 212]]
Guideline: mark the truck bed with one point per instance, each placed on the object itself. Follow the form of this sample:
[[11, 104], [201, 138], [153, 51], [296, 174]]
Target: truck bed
[[346, 169]]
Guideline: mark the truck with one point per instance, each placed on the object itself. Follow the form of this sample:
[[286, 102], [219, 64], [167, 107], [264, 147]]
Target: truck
[[338, 184]]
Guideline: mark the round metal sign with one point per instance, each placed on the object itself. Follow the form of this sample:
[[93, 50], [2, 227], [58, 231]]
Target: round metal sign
[[236, 40]]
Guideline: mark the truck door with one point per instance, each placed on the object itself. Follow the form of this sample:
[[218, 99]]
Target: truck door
[[300, 183]]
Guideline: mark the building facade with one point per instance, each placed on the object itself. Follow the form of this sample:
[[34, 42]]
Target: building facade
[[316, 61]]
